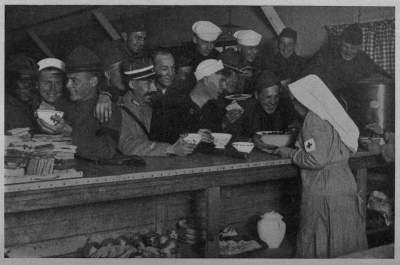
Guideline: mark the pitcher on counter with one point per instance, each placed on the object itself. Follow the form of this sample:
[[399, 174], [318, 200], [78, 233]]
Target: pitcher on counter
[[332, 221]]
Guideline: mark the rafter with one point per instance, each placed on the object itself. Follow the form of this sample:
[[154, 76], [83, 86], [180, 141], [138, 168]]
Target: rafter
[[273, 18], [112, 32], [40, 43]]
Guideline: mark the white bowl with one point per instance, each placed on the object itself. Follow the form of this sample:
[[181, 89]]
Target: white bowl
[[233, 106], [221, 139], [276, 138], [47, 115], [244, 147], [192, 138]]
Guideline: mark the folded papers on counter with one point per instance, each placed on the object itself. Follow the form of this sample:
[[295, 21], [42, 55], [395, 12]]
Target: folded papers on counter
[[35, 155], [20, 132], [57, 146]]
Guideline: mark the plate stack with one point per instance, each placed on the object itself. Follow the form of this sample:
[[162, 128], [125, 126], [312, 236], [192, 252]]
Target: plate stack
[[189, 235], [231, 243]]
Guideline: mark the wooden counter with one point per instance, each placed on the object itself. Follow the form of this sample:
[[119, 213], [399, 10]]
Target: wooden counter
[[38, 215]]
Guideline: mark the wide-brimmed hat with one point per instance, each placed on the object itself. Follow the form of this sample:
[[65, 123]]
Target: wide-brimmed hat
[[82, 59], [22, 64]]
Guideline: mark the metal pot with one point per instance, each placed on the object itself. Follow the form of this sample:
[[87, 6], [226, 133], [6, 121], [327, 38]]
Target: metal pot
[[373, 100]]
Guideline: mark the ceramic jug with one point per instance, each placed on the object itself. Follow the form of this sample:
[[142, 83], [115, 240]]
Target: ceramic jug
[[271, 229]]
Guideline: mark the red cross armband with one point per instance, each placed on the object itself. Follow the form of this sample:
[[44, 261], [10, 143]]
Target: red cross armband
[[309, 145]]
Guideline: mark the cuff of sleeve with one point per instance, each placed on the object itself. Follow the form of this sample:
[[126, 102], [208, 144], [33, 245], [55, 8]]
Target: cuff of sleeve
[[170, 150], [224, 124], [106, 93], [293, 153]]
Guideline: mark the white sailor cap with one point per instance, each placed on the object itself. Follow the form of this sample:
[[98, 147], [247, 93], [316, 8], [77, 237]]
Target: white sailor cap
[[51, 62], [208, 67], [206, 30], [247, 37]]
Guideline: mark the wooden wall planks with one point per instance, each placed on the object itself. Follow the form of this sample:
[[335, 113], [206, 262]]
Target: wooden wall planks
[[71, 224], [61, 228], [86, 219]]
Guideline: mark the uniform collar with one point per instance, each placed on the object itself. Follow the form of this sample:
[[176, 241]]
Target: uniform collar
[[293, 55], [154, 87], [261, 109], [132, 98]]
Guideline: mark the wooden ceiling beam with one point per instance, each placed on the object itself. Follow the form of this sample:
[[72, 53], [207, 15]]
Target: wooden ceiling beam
[[112, 32], [273, 18], [43, 47], [29, 26]]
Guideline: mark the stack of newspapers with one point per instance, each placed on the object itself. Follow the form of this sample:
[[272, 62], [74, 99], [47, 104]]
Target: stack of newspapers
[[36, 155]]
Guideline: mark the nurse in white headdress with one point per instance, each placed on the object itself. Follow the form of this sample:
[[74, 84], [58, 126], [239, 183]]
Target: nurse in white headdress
[[332, 221]]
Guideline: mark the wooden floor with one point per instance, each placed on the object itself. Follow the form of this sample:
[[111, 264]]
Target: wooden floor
[[381, 252]]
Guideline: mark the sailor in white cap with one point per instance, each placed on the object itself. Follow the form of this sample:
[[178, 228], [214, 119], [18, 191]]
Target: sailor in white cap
[[51, 89], [51, 81], [205, 34], [246, 60], [248, 42], [199, 112], [332, 218], [206, 31]]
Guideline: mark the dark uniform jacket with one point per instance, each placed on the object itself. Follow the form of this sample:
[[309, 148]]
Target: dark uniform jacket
[[191, 52], [287, 68], [341, 77], [338, 73], [165, 107], [94, 140], [255, 119], [191, 117], [17, 114]]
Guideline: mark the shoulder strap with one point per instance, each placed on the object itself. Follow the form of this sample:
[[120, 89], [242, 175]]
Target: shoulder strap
[[139, 122]]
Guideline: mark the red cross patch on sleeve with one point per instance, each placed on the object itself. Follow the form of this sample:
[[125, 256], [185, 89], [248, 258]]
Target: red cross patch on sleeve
[[309, 145]]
